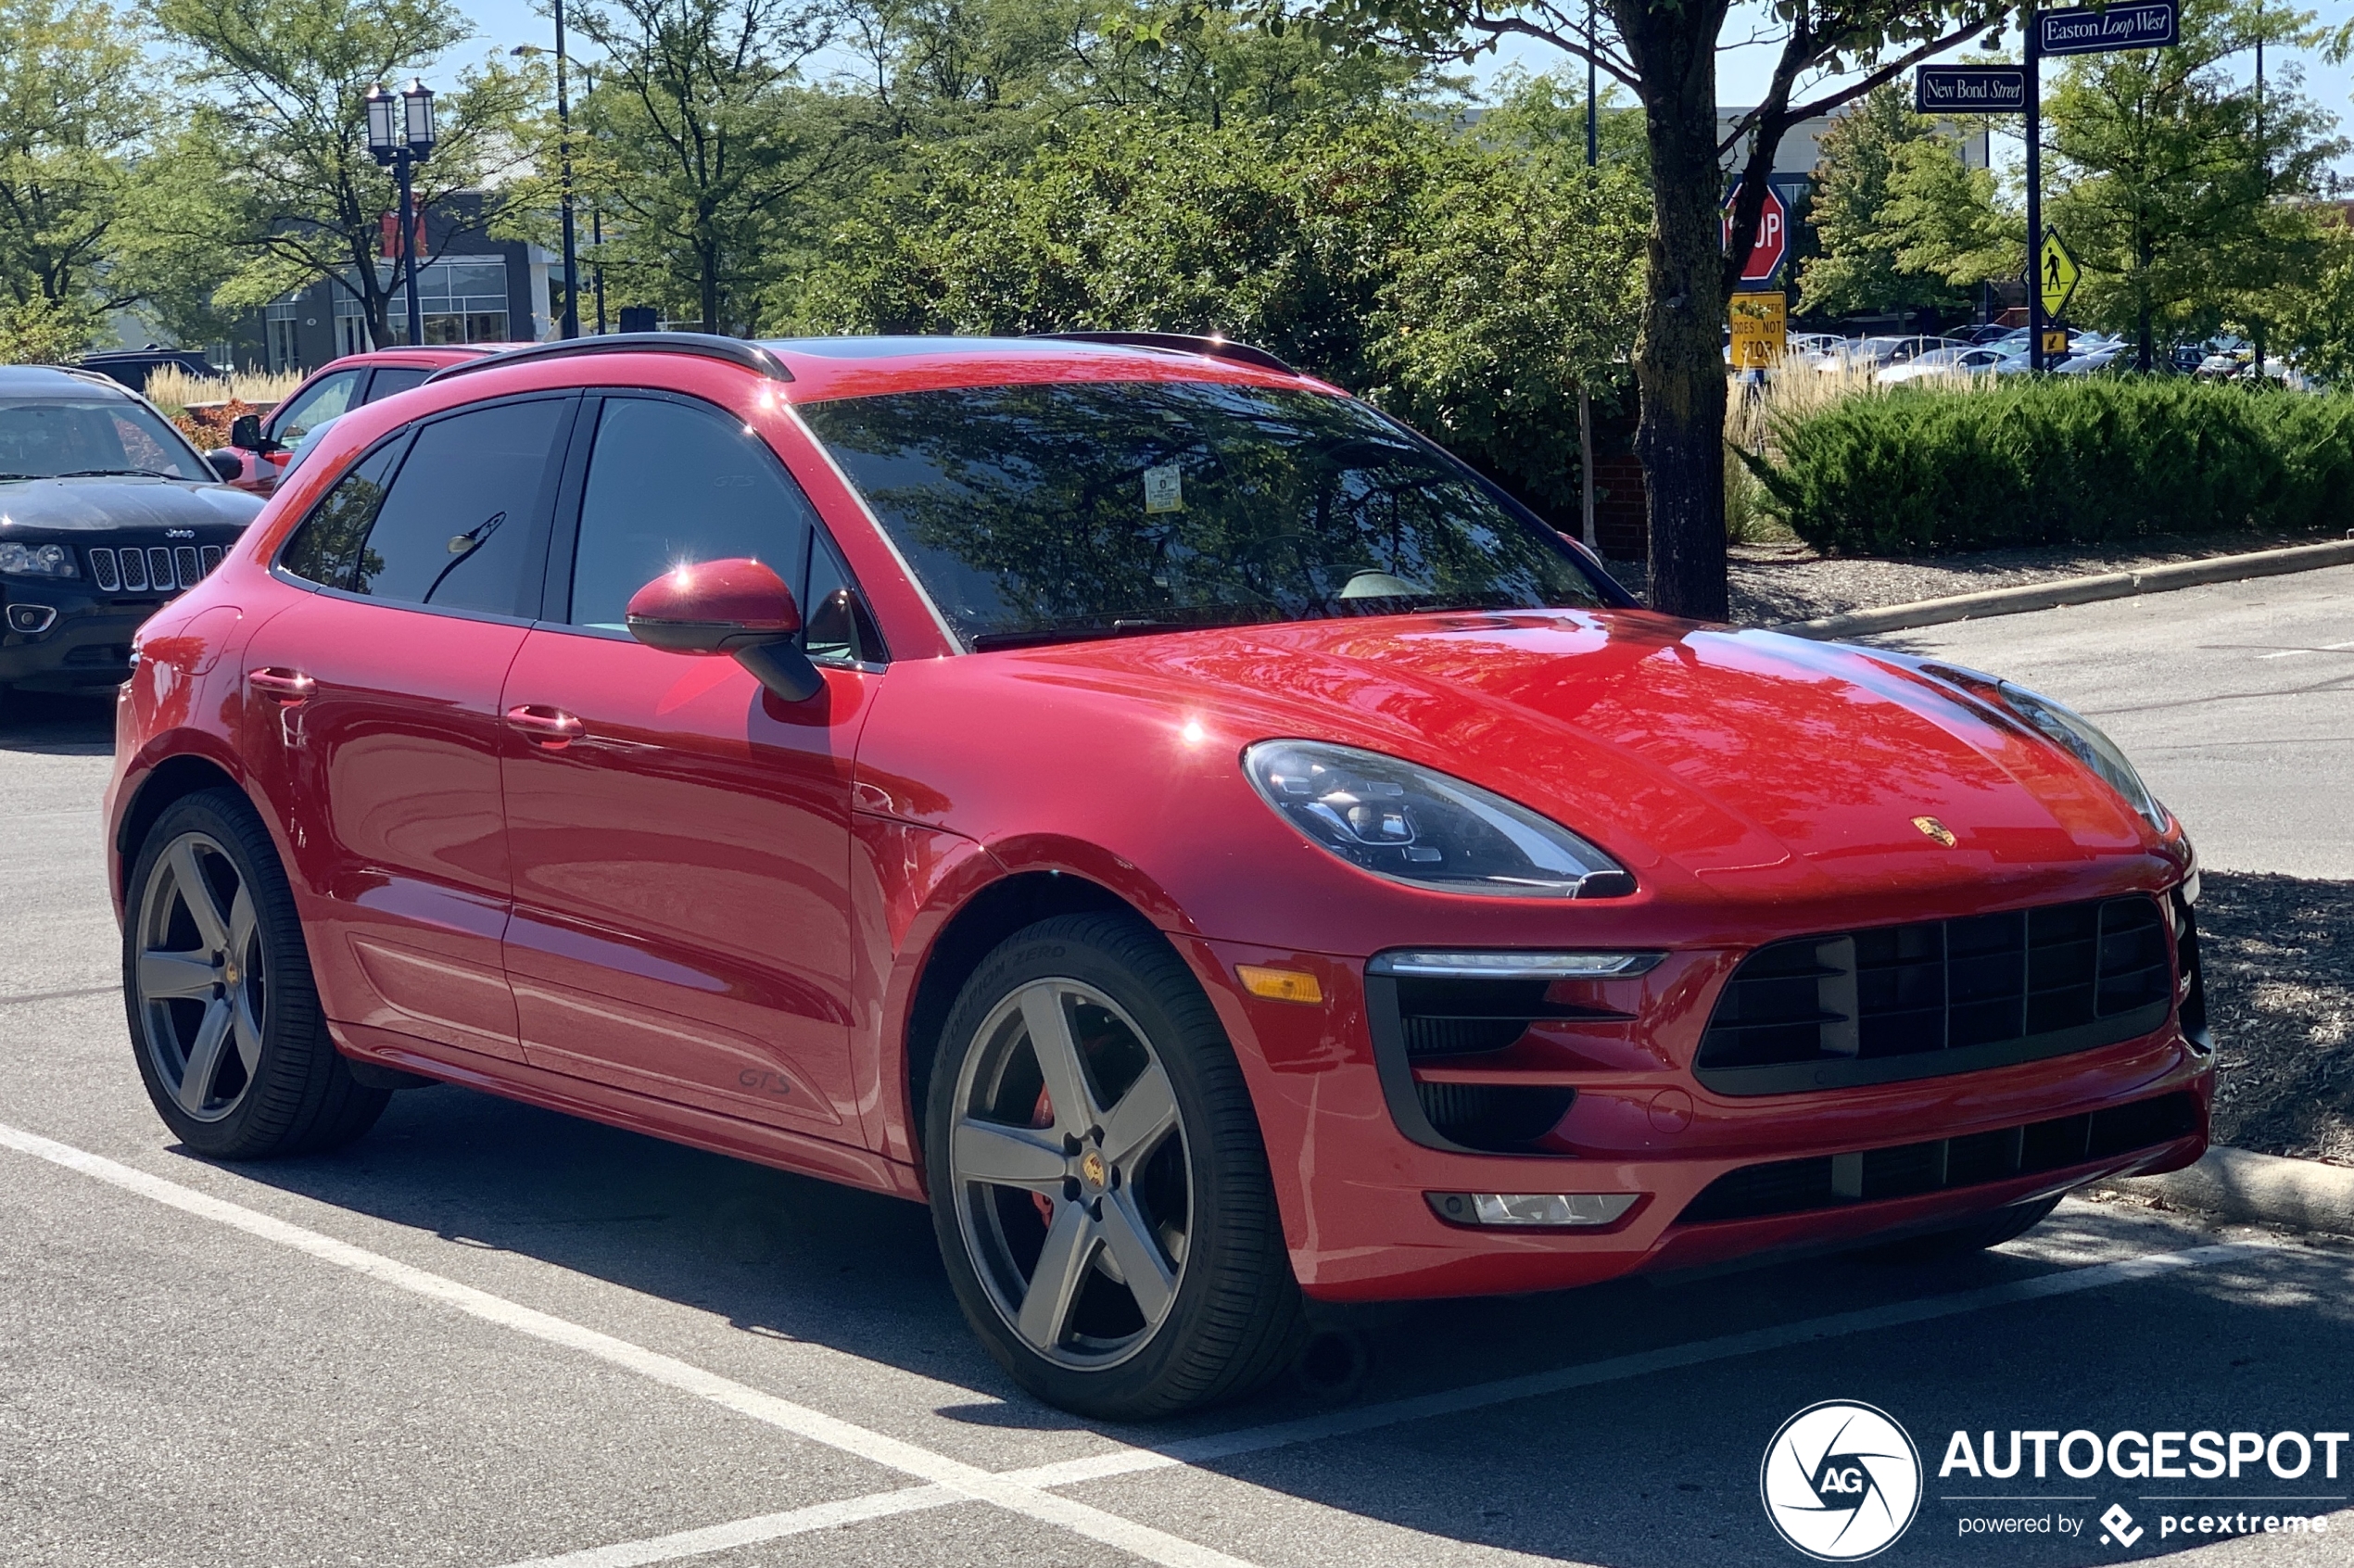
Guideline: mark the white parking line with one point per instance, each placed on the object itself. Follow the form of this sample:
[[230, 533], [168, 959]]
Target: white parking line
[[1026, 1492], [951, 1475], [2293, 652], [1455, 1401]]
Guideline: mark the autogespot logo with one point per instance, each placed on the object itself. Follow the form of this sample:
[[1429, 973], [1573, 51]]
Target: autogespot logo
[[1841, 1481]]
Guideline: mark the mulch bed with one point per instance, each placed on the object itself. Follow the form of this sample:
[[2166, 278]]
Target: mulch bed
[[1776, 582], [2280, 987]]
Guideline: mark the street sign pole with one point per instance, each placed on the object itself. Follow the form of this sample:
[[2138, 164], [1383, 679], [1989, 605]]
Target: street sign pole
[[2034, 187]]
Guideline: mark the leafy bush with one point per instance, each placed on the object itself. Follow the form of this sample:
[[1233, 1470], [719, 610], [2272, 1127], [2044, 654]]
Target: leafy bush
[[2059, 461]]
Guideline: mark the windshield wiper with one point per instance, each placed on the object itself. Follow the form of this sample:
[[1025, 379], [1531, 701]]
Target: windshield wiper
[[987, 642], [116, 472]]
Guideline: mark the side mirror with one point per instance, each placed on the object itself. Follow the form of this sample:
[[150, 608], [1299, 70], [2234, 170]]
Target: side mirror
[[245, 431], [226, 463], [738, 607]]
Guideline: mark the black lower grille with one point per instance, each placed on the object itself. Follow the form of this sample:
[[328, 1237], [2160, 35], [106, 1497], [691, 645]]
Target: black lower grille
[[1796, 1186], [1499, 1118], [1940, 996]]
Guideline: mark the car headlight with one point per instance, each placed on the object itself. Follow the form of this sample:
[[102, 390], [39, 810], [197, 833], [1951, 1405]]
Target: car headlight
[[37, 560], [1417, 825]]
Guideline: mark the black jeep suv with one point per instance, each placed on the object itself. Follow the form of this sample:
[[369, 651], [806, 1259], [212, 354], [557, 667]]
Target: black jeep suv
[[105, 511]]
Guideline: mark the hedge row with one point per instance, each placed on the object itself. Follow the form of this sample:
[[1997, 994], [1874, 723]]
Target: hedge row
[[2060, 462]]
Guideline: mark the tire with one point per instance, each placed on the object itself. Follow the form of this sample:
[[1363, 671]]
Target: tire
[[1165, 1188], [225, 993], [1990, 1230]]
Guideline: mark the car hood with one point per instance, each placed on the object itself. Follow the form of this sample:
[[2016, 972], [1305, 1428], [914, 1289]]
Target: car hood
[[105, 505], [1746, 760]]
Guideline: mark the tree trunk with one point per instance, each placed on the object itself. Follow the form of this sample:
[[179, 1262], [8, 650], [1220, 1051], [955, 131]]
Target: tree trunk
[[1679, 366]]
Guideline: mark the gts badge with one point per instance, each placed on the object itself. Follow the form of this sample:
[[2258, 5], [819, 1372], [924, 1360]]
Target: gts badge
[[764, 1083]]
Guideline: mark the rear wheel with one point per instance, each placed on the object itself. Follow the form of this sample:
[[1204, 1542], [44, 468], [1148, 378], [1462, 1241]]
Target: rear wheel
[[223, 1016], [1098, 1185], [1990, 1230]]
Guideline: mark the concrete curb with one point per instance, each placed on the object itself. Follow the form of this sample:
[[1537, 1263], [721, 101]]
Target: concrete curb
[[2259, 1189], [2075, 591]]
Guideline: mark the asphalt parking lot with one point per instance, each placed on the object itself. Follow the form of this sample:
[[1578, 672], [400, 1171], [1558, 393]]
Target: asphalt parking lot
[[486, 1336]]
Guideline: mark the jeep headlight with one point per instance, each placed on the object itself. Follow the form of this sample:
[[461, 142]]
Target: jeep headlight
[[1414, 824], [37, 560]]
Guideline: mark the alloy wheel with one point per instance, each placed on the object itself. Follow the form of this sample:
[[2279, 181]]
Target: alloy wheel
[[201, 981], [1072, 1187]]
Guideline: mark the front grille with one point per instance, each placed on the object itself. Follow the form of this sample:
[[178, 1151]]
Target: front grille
[[1941, 996], [1797, 1186], [152, 569]]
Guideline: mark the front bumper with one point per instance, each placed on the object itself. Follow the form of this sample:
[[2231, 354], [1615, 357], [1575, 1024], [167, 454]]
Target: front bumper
[[86, 647], [1354, 1186]]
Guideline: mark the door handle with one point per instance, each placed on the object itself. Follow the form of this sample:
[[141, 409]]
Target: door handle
[[286, 686], [546, 725]]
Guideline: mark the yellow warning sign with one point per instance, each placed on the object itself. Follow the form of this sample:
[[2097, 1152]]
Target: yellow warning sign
[[1761, 329], [2054, 341], [2056, 273]]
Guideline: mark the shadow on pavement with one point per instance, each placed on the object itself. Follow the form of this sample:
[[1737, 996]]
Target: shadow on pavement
[[42, 723], [1653, 1471]]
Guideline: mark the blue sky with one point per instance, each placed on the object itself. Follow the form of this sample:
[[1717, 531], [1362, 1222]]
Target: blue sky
[[1742, 72]]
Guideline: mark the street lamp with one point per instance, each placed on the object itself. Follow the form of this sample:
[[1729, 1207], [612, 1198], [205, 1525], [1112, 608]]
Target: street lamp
[[570, 327], [400, 136]]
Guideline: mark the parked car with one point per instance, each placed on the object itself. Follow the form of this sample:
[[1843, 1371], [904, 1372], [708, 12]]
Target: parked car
[[107, 512], [1202, 838], [1940, 362], [130, 367], [1877, 353], [260, 445]]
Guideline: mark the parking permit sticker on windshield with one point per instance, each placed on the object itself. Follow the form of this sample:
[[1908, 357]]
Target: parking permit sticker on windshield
[[1163, 491]]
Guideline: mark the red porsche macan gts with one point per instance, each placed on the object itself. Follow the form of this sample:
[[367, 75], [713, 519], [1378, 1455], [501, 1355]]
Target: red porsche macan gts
[[1202, 839]]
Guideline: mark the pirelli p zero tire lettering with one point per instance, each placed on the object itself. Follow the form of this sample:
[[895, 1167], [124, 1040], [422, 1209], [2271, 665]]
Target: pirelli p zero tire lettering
[[224, 1019], [1098, 1185]]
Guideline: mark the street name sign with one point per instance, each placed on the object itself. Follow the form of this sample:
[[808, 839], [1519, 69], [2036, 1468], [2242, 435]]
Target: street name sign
[[1773, 236], [1970, 89], [2056, 273], [1761, 329], [2132, 24]]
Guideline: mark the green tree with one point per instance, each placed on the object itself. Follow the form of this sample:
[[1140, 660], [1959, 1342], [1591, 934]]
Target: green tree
[[1859, 271], [706, 149], [72, 94], [1948, 221], [1664, 51], [2181, 217], [274, 174]]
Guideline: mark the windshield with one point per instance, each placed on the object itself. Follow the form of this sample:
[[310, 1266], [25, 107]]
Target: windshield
[[1049, 513], [54, 437]]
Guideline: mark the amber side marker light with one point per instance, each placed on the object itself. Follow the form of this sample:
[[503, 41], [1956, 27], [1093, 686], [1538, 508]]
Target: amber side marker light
[[1540, 1209], [1279, 985]]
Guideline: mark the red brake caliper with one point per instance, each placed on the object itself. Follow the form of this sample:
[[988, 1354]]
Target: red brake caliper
[[1042, 1114]]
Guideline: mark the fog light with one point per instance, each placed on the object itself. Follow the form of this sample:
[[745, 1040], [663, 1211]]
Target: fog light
[[1515, 966], [1532, 1209], [32, 619]]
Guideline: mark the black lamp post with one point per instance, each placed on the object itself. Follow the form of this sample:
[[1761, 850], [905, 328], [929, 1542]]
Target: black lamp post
[[400, 136], [570, 326]]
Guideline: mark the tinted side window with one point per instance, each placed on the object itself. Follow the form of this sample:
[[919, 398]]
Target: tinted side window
[[669, 483], [455, 532], [835, 619], [326, 550], [396, 378]]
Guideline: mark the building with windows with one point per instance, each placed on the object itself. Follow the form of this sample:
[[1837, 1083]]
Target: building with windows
[[472, 288]]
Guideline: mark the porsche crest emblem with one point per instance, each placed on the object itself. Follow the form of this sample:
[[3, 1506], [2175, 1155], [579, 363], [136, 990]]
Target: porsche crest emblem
[[1933, 828]]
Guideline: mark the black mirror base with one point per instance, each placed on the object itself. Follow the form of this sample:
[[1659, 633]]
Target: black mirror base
[[783, 669]]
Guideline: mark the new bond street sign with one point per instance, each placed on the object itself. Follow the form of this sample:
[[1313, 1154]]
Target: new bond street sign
[[2131, 24], [1970, 89]]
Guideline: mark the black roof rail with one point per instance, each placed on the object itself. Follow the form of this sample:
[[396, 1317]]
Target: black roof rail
[[1181, 343], [702, 345]]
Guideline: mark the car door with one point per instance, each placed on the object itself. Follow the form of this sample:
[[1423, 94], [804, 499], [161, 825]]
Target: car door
[[680, 837], [373, 718]]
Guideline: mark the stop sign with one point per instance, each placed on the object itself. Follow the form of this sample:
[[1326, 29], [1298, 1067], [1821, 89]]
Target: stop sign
[[1773, 237]]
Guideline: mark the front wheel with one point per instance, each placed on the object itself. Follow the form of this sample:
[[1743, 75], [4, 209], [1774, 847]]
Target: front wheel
[[224, 1019], [1098, 1185]]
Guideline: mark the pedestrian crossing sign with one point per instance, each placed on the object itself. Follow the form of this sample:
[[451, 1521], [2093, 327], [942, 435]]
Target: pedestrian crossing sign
[[2056, 273]]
